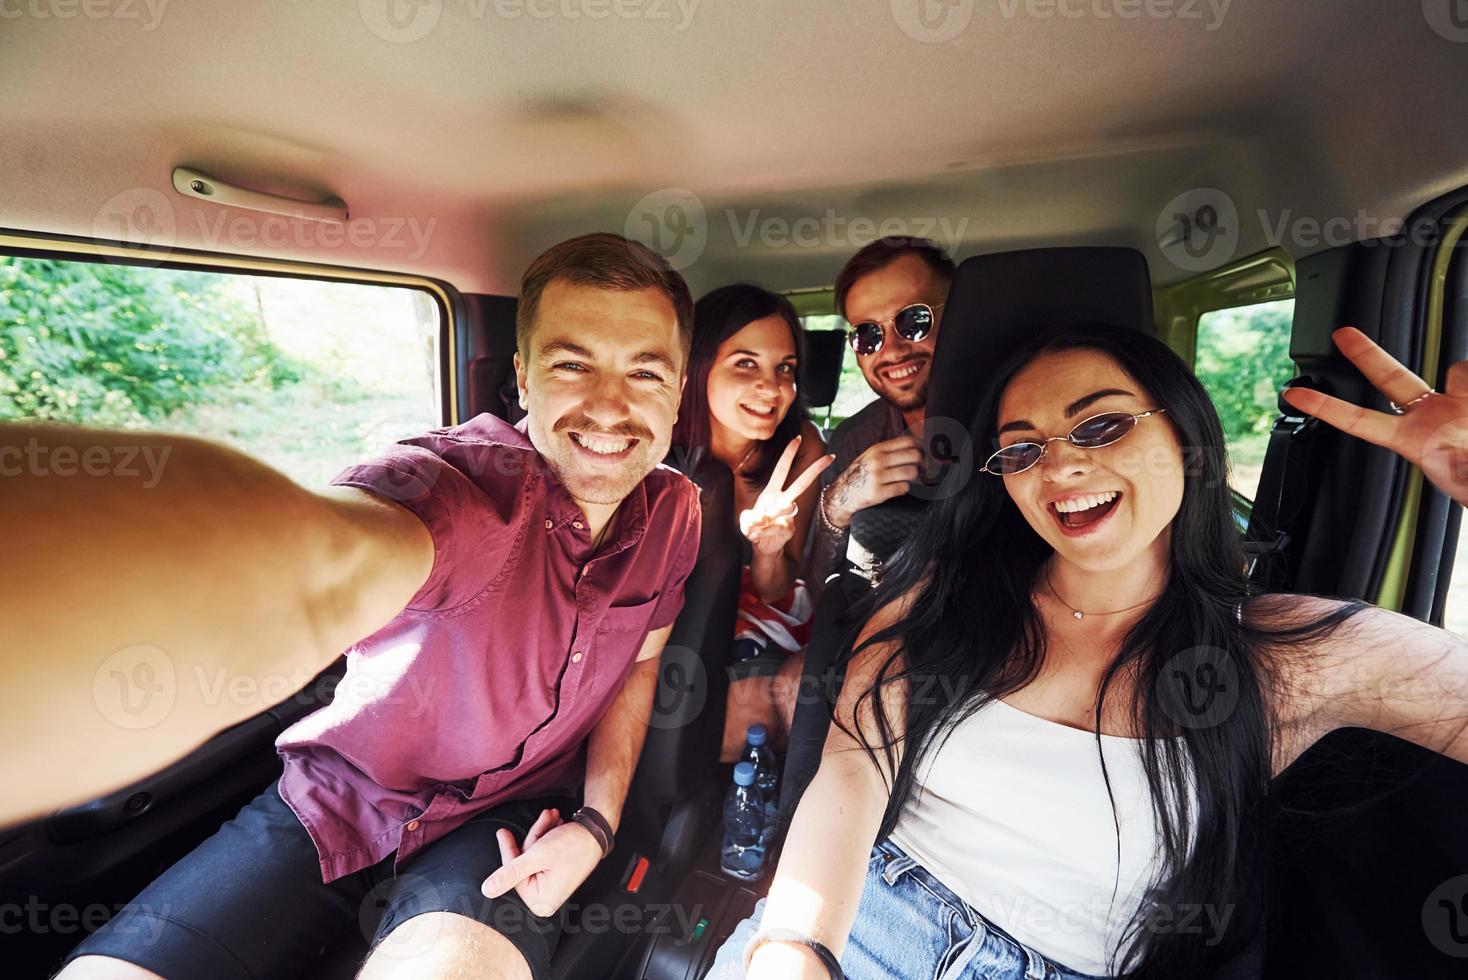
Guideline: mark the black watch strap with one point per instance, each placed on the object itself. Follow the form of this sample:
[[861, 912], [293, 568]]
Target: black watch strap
[[599, 827]]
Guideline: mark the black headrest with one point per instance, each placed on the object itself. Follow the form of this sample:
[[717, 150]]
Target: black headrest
[[824, 350], [1001, 300]]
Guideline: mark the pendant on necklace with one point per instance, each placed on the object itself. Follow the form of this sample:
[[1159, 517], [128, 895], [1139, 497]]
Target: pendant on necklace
[[1078, 614]]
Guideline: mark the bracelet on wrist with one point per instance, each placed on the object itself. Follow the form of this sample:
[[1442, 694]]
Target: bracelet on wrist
[[791, 936], [598, 826], [821, 506]]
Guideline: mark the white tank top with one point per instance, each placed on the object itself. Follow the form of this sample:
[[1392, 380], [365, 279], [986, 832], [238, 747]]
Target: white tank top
[[1011, 813]]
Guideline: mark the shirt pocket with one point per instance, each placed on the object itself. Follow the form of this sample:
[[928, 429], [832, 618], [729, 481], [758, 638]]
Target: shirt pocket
[[627, 619]]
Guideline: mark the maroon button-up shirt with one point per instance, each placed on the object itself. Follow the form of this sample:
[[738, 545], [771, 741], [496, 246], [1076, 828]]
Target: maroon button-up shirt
[[485, 688]]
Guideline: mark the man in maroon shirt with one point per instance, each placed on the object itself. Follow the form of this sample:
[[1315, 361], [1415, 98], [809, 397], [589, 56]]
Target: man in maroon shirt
[[515, 587]]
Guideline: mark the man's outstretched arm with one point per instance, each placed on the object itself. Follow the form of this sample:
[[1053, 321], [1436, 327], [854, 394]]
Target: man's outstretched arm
[[156, 589]]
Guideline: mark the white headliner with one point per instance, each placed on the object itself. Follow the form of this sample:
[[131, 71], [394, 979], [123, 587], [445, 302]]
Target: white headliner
[[510, 132]]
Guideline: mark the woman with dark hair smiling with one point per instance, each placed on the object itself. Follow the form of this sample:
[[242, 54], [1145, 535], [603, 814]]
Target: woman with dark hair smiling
[[1092, 767], [741, 405]]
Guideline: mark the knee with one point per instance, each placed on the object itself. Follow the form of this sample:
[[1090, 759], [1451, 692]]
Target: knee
[[437, 944], [104, 968]]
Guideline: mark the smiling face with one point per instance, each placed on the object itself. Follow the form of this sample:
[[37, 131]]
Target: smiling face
[[601, 385], [1099, 508], [899, 371], [752, 381]]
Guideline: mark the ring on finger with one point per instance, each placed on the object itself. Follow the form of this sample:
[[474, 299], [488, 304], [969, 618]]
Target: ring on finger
[[1402, 408]]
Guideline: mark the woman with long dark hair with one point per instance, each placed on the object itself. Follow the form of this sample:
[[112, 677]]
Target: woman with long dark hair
[[741, 406], [1061, 719]]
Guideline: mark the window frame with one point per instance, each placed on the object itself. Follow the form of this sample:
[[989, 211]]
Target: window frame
[[446, 299]]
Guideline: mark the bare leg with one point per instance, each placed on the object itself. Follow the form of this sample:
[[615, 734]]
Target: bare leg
[[445, 946], [104, 968], [750, 703]]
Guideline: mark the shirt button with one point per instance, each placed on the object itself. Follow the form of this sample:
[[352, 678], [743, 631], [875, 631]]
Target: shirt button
[[576, 657], [412, 826], [549, 524], [577, 525]]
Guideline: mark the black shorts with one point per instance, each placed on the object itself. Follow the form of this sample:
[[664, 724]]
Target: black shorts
[[249, 903]]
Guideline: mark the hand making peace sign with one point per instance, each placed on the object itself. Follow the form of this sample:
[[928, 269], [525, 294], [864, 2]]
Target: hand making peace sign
[[1432, 429], [770, 523]]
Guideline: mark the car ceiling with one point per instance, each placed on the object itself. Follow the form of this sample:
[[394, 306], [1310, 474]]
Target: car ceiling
[[509, 124]]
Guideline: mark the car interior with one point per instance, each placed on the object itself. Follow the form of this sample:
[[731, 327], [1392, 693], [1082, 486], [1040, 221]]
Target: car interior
[[1082, 163]]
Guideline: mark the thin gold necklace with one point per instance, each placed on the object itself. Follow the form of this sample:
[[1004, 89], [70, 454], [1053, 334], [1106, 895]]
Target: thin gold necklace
[[1082, 615]]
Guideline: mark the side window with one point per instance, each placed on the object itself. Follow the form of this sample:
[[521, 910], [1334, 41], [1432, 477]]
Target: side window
[[852, 392], [1243, 359], [308, 375]]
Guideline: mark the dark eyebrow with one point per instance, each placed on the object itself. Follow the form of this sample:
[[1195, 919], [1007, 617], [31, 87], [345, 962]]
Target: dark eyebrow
[[787, 357], [645, 357], [656, 357], [1071, 410], [564, 347]]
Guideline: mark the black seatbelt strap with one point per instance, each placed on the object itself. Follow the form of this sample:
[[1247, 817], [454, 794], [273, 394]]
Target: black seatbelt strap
[[1284, 492]]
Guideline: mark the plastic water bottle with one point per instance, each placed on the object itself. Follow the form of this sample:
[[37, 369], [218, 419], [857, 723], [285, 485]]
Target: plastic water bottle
[[766, 775], [744, 825]]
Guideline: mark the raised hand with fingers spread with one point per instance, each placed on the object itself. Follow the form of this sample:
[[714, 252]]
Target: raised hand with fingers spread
[[770, 523], [1429, 429]]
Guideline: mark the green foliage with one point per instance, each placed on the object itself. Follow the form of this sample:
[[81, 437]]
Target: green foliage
[[1243, 359], [105, 344]]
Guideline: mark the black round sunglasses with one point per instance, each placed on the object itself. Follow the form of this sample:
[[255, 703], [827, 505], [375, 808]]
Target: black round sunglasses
[[1089, 433]]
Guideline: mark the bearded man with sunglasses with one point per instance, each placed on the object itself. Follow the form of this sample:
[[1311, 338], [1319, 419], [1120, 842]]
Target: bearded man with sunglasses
[[892, 293]]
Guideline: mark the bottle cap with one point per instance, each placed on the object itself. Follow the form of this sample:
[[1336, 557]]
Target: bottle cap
[[744, 774], [757, 735]]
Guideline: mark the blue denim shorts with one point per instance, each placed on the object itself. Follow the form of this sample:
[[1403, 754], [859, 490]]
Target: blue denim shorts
[[910, 925]]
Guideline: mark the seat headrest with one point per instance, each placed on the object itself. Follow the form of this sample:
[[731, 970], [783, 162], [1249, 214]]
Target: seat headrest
[[824, 350], [1002, 300]]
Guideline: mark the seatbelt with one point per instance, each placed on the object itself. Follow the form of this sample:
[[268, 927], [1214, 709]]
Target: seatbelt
[[1284, 491]]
